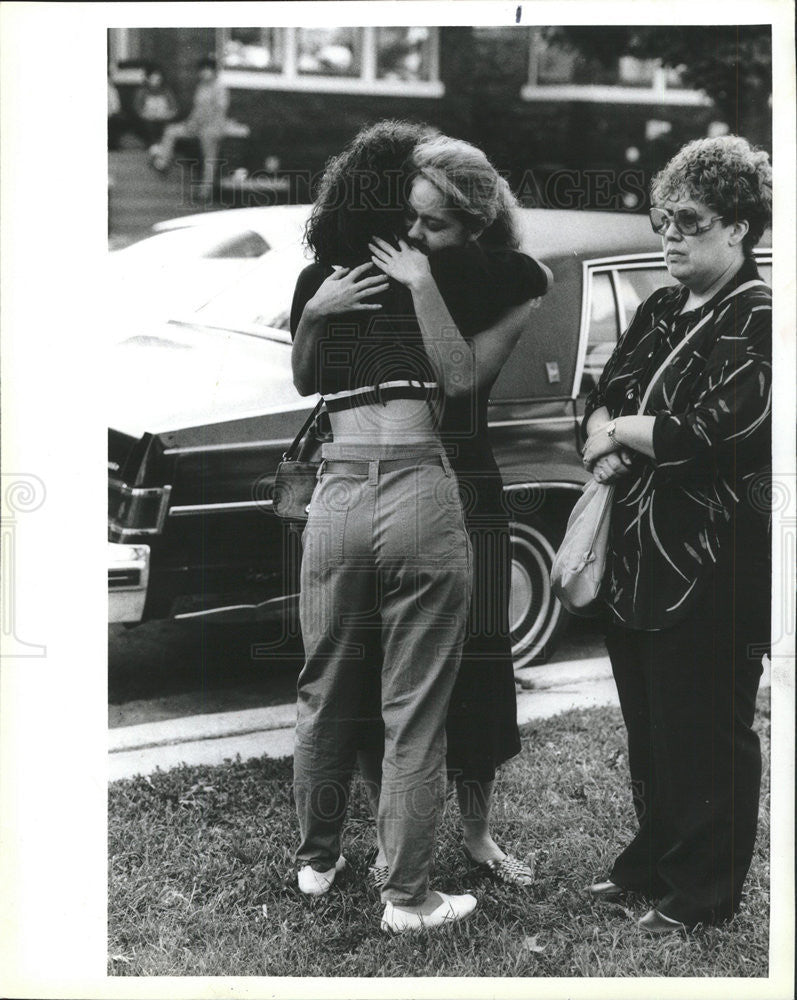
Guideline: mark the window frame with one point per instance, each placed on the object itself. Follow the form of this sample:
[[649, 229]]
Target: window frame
[[604, 93], [289, 77], [123, 46]]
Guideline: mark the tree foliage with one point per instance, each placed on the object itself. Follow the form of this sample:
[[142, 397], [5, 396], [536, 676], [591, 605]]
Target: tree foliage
[[728, 62]]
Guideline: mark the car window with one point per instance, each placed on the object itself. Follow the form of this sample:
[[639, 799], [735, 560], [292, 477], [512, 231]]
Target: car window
[[636, 284], [602, 330], [239, 245]]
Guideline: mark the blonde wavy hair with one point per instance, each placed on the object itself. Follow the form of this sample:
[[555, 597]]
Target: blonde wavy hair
[[471, 186]]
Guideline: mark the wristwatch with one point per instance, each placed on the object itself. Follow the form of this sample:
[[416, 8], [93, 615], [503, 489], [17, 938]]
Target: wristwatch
[[611, 429]]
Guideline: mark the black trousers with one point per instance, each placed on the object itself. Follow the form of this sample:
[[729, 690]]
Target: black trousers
[[688, 696]]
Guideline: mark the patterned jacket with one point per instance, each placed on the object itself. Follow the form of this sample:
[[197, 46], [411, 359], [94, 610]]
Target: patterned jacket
[[676, 517]]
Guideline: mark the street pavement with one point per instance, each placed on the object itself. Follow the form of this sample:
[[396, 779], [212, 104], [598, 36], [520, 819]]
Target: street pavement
[[138, 197], [216, 737]]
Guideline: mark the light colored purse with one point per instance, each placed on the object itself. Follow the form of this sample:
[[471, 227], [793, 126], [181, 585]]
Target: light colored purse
[[580, 563]]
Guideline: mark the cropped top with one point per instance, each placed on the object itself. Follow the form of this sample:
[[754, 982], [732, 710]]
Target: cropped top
[[364, 358]]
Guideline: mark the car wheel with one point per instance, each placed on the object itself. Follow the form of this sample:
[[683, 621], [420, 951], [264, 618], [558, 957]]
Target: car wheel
[[536, 618]]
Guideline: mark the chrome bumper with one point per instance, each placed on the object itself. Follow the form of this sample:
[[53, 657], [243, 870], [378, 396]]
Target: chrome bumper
[[128, 576]]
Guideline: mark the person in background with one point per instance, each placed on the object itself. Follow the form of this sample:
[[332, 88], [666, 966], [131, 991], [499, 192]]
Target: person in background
[[207, 122], [688, 574], [155, 106]]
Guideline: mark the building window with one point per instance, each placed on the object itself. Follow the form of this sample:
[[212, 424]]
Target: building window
[[558, 74], [329, 51], [252, 48], [395, 61], [404, 54]]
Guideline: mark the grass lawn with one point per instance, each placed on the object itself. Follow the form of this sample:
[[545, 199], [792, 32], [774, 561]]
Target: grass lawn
[[202, 882]]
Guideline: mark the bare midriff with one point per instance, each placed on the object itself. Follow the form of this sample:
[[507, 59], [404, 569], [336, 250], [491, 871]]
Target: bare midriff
[[398, 421]]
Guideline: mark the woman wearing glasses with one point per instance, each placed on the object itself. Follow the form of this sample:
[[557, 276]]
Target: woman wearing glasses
[[688, 574]]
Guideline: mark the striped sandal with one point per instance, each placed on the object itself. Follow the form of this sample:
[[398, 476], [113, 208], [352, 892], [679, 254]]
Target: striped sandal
[[509, 870], [377, 876]]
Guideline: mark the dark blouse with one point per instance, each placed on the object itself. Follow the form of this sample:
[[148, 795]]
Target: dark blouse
[[676, 516], [364, 358]]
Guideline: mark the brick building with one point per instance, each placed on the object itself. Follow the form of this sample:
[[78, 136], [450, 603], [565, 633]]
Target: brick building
[[567, 130]]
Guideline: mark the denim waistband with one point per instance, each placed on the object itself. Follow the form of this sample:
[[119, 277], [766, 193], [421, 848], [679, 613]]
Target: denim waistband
[[379, 452]]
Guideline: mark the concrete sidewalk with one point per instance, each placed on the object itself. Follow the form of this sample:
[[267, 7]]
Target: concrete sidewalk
[[212, 739]]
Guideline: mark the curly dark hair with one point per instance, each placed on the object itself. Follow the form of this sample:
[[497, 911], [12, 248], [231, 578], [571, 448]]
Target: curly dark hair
[[363, 192], [727, 175]]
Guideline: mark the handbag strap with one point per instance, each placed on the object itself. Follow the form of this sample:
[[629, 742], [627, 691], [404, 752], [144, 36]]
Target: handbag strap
[[294, 447], [678, 347]]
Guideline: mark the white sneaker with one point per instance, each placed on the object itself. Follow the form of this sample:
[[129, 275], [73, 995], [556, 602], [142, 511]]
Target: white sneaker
[[314, 883], [451, 909]]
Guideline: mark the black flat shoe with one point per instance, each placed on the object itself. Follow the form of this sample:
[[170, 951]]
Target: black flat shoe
[[607, 892], [656, 923]]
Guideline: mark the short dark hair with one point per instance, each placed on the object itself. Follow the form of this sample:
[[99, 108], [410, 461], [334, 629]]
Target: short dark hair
[[725, 174], [363, 192]]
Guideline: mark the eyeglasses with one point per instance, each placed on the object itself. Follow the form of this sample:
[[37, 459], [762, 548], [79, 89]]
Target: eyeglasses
[[685, 220]]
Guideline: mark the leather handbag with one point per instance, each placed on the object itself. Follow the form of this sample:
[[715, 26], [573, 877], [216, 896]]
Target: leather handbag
[[579, 565], [297, 473]]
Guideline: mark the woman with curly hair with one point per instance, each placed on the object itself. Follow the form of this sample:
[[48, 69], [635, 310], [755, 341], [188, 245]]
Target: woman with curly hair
[[688, 577], [386, 571]]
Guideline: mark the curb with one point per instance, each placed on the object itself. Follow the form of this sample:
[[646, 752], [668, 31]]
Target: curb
[[212, 739]]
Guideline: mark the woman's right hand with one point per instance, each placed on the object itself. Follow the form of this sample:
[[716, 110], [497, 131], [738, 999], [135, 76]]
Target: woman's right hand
[[344, 291], [610, 468]]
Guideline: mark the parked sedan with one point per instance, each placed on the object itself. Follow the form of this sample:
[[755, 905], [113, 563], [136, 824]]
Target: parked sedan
[[204, 406]]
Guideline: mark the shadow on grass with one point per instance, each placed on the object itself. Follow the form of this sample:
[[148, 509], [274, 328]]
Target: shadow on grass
[[202, 883]]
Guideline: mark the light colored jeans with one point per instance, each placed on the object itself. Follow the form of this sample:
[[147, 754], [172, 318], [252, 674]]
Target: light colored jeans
[[386, 568]]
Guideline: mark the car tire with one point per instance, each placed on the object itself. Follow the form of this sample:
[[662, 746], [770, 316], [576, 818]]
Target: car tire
[[536, 618]]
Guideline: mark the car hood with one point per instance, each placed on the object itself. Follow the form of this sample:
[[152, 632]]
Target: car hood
[[183, 376]]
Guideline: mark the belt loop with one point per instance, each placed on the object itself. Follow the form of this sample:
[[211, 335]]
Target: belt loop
[[446, 465], [373, 473], [321, 468]]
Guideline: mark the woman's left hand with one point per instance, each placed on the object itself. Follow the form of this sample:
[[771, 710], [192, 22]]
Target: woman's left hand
[[406, 265]]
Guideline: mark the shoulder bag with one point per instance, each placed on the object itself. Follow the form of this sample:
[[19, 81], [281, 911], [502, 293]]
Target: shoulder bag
[[296, 474]]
